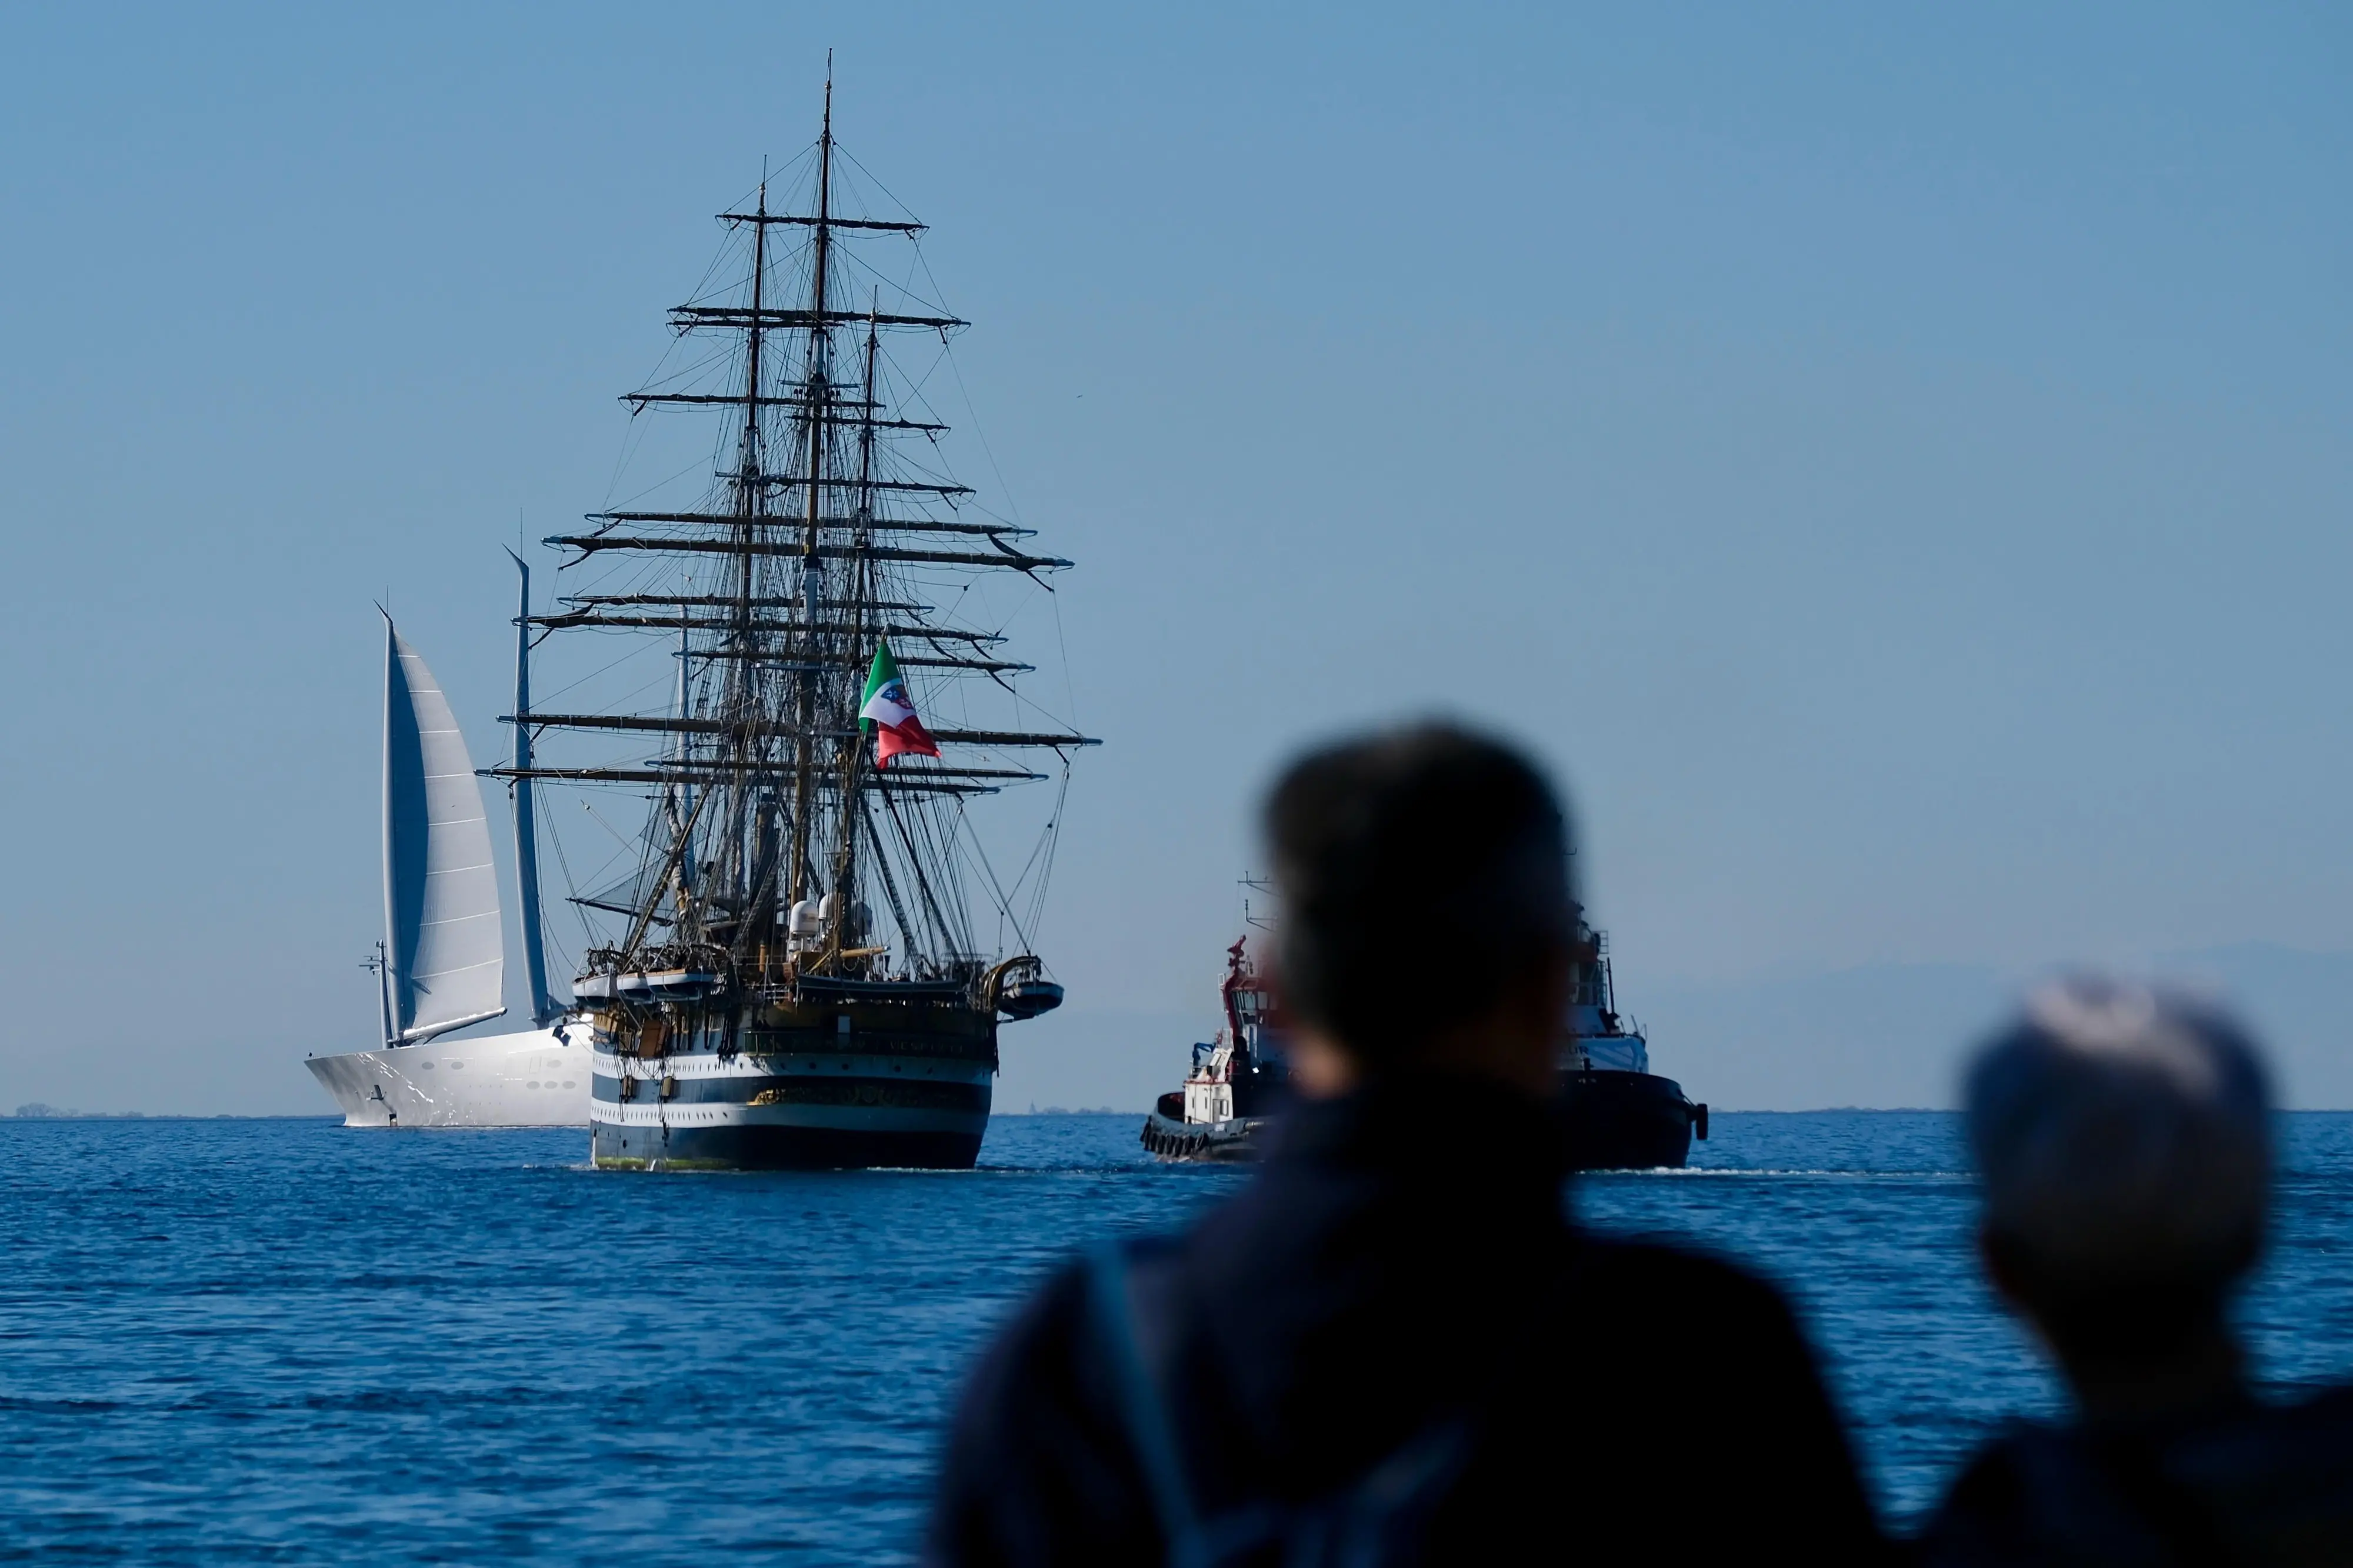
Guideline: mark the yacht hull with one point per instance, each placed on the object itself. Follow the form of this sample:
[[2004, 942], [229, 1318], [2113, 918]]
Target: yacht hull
[[534, 1078]]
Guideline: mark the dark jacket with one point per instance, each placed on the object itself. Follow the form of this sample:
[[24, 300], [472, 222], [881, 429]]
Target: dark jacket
[[1402, 1259], [2245, 1485]]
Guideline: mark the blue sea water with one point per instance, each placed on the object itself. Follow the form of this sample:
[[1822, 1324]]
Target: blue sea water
[[282, 1341]]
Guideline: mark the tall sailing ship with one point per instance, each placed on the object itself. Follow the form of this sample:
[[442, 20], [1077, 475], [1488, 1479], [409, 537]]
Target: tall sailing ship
[[796, 975]]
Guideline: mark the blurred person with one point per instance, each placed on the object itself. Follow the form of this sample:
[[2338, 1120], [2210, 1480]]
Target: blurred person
[[1392, 1346], [2124, 1140]]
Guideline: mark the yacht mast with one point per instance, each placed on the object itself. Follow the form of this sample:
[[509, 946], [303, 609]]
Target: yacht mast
[[543, 1010]]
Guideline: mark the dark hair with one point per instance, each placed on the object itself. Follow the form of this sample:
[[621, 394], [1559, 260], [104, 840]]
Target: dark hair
[[1422, 871]]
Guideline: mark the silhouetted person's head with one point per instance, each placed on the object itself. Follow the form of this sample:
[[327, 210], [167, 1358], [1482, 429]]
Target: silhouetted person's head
[[1428, 915], [2124, 1138]]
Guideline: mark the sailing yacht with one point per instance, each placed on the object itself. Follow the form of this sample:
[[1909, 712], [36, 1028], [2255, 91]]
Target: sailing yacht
[[441, 966]]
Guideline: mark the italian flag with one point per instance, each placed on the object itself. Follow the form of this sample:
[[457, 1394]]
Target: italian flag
[[891, 712]]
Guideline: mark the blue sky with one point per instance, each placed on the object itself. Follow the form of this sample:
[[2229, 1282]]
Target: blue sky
[[1893, 460]]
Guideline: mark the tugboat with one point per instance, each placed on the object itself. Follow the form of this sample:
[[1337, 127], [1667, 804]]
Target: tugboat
[[1239, 1080], [1619, 1114]]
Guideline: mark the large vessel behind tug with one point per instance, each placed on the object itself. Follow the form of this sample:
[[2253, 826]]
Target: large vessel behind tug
[[1619, 1115]]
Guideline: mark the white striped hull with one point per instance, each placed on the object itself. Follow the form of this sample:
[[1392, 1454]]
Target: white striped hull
[[700, 1109], [706, 1089]]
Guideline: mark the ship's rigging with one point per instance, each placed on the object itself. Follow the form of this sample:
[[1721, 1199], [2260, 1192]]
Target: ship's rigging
[[776, 849]]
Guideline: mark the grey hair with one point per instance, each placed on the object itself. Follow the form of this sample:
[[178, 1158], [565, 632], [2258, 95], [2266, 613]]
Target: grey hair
[[2123, 1135]]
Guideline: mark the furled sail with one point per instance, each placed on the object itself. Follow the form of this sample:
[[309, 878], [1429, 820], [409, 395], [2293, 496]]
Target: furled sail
[[444, 946]]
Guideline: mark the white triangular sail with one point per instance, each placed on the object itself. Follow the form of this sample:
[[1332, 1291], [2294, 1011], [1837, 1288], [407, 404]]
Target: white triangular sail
[[445, 954]]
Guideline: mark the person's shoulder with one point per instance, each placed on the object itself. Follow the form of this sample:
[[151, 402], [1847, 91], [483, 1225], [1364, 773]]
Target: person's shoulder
[[1045, 1344], [2325, 1418], [2270, 1484], [1035, 1468], [1732, 1329], [1033, 1351], [2311, 1437], [1660, 1257], [1774, 1461], [2281, 1477], [1674, 1276], [1986, 1515]]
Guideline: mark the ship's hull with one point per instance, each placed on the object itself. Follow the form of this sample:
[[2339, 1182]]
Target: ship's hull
[[788, 1110], [535, 1078], [843, 1078], [744, 1144], [1627, 1120]]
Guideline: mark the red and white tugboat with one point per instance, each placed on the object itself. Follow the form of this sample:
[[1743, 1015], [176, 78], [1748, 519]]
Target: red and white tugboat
[[1238, 1080], [1618, 1113]]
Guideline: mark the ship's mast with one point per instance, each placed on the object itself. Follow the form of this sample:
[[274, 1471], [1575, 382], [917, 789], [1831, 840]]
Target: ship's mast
[[862, 590], [797, 591], [815, 390], [741, 871]]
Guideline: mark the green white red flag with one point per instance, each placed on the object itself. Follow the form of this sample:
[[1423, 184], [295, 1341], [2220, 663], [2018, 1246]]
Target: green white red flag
[[890, 712]]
